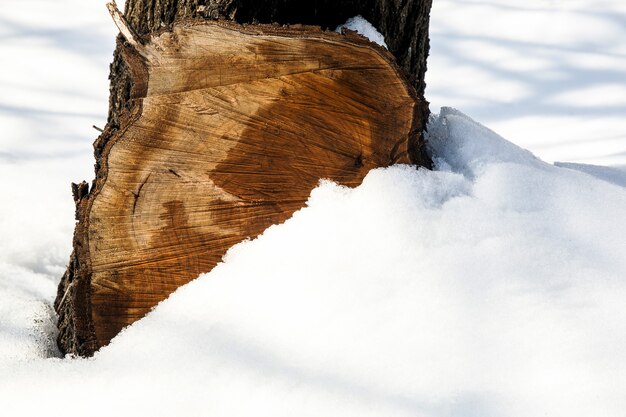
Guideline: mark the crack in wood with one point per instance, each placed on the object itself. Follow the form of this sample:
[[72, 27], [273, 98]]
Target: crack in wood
[[138, 193]]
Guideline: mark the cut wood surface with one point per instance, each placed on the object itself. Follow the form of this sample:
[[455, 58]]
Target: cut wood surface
[[231, 128]]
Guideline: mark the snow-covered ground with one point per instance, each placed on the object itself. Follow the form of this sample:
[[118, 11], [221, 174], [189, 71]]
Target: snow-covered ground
[[494, 285], [53, 88], [548, 75]]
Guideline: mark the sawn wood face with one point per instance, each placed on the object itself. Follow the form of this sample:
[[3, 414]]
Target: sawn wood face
[[232, 127]]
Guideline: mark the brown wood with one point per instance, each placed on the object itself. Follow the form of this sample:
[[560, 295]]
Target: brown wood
[[229, 130], [404, 24]]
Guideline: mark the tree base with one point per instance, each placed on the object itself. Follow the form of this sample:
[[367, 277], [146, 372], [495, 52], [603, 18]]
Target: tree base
[[229, 129]]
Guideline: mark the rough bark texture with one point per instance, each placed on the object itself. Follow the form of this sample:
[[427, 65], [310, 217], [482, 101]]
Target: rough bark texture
[[142, 231]]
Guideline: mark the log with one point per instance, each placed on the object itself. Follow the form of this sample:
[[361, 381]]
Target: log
[[404, 24], [228, 128]]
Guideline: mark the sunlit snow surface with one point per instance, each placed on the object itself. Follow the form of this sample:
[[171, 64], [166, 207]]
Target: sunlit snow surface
[[53, 88], [493, 286], [548, 75]]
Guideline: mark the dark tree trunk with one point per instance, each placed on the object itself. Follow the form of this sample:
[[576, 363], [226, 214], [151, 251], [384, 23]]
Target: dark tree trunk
[[404, 23]]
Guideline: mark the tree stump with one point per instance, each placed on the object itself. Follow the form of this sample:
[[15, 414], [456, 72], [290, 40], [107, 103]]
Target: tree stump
[[229, 128]]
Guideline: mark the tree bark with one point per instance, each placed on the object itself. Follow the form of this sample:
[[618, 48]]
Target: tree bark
[[108, 267]]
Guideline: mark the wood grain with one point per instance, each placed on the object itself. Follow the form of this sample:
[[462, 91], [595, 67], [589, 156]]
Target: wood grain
[[230, 130]]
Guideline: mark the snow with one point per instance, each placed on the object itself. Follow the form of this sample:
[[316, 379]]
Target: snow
[[549, 75], [364, 28], [493, 285], [54, 87], [610, 174]]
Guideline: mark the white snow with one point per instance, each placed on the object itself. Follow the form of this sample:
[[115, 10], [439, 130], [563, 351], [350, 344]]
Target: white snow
[[492, 286], [361, 26], [549, 75], [53, 88]]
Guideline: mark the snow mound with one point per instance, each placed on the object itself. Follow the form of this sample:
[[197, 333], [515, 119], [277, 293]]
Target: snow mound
[[364, 28], [614, 175], [494, 286]]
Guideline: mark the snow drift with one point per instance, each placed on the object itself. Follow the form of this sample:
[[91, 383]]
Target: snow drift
[[492, 286]]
